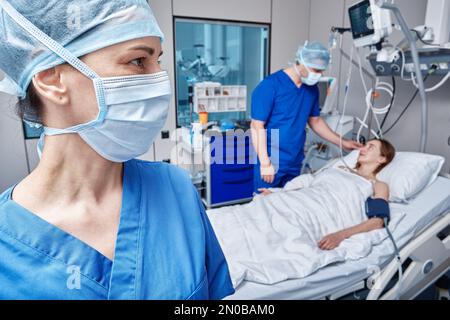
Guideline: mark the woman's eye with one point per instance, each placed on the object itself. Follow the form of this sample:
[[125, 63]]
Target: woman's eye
[[138, 62]]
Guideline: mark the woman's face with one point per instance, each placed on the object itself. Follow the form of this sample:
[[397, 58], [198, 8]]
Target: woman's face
[[76, 91], [371, 153]]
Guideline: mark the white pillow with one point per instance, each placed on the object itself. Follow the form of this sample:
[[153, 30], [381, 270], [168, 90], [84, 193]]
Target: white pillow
[[407, 175]]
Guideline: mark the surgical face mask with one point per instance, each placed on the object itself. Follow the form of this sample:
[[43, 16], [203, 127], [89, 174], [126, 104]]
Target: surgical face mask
[[312, 79], [132, 109], [136, 109]]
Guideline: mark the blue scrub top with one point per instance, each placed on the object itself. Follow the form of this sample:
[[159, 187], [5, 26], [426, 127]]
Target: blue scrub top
[[282, 105], [165, 248]]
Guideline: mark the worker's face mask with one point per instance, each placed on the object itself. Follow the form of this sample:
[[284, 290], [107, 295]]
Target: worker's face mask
[[132, 112], [132, 109], [313, 77]]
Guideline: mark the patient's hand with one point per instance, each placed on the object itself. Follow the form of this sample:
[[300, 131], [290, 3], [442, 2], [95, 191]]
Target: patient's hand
[[265, 192], [332, 241]]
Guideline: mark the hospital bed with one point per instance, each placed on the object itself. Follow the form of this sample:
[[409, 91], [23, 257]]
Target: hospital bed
[[424, 238]]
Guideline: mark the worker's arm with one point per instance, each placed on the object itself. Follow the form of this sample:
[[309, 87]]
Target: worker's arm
[[259, 139], [332, 241], [321, 128]]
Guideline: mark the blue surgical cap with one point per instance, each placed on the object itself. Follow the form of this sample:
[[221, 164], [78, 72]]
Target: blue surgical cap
[[81, 26], [314, 55]]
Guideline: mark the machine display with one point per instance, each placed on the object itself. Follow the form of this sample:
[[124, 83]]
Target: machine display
[[229, 53]]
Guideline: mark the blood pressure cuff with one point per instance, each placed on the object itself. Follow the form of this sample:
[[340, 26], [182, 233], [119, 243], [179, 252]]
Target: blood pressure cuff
[[378, 208]]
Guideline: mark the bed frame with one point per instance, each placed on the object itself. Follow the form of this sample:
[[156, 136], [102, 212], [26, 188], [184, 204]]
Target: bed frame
[[424, 259]]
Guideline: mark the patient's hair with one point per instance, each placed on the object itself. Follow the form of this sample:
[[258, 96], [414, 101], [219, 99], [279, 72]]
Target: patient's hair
[[387, 151]]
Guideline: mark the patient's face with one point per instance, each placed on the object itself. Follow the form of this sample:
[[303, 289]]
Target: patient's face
[[371, 153]]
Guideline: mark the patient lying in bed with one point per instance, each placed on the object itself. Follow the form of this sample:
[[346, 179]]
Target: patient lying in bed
[[312, 222], [373, 158]]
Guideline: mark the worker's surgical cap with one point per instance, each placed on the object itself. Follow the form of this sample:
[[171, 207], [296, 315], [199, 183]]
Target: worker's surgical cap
[[81, 26], [314, 55]]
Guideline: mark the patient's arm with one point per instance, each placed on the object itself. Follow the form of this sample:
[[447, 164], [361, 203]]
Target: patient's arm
[[332, 241]]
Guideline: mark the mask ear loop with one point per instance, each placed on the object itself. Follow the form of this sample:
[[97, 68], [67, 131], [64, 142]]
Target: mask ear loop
[[302, 61], [297, 71], [67, 56]]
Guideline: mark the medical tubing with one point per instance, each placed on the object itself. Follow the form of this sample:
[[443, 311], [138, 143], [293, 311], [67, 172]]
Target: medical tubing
[[402, 73], [341, 124], [363, 124], [433, 45], [394, 89], [399, 259], [415, 56], [405, 109], [437, 86], [368, 100], [379, 86]]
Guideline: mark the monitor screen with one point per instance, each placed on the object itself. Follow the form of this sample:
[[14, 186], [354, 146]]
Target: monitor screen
[[361, 19]]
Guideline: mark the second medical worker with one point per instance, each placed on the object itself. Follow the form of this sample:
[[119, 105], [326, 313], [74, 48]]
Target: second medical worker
[[282, 105]]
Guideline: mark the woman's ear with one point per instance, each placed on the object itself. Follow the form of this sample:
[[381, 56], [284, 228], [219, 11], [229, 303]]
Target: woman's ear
[[50, 86], [382, 160]]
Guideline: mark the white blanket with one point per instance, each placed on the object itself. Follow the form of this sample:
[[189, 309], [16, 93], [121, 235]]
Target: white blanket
[[274, 238]]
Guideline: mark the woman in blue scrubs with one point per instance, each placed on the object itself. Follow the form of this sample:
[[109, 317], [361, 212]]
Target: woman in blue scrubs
[[91, 222], [282, 105]]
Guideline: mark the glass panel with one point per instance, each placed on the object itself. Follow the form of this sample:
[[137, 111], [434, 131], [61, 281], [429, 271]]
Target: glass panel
[[31, 132], [232, 54]]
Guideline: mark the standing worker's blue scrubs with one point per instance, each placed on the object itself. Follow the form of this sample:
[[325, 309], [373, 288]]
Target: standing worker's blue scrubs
[[165, 249], [283, 106]]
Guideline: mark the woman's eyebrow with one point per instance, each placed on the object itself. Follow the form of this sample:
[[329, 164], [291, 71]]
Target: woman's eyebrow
[[149, 50]]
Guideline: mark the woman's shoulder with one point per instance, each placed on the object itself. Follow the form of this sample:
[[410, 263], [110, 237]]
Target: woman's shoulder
[[381, 189], [380, 184], [163, 170], [164, 178], [170, 185]]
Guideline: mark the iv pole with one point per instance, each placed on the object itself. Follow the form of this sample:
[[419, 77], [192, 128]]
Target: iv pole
[[415, 55]]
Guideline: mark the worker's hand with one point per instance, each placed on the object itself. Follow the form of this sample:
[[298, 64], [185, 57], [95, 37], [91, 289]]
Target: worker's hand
[[351, 145], [265, 192], [268, 173], [332, 241]]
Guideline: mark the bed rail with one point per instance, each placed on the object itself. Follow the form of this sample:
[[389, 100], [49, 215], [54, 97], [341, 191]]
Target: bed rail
[[429, 254]]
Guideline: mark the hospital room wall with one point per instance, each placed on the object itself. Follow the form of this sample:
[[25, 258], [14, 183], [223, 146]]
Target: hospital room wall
[[290, 28], [406, 135], [289, 21], [13, 159]]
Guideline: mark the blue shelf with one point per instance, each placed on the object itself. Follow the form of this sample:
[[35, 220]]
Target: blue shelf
[[231, 180]]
